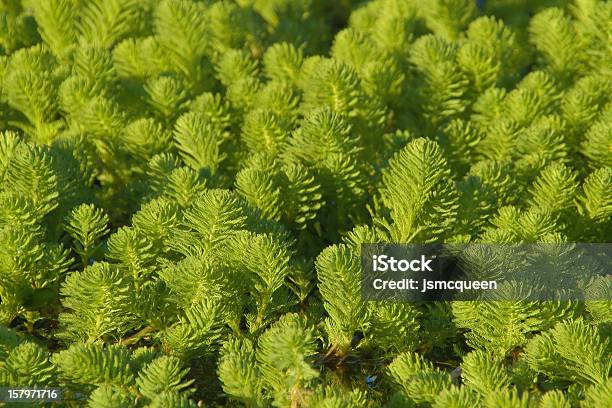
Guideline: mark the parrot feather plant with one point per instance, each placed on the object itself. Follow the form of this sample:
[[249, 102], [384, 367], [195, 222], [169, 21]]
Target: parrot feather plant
[[185, 186]]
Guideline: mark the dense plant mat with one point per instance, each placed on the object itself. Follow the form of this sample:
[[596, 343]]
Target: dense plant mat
[[185, 185]]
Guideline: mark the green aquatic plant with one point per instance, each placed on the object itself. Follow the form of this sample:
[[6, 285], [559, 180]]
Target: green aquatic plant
[[185, 187]]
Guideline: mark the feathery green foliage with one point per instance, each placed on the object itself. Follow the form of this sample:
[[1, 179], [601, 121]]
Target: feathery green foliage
[[185, 186]]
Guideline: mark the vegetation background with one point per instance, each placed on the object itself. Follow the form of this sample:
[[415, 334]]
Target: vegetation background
[[185, 186]]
